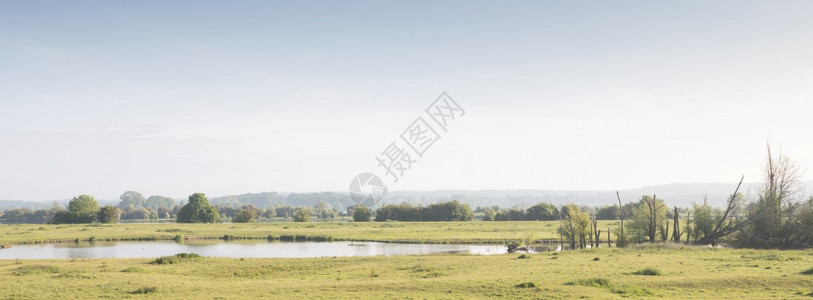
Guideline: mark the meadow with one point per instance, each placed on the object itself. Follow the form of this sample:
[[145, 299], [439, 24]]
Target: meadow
[[409, 232], [649, 271], [605, 273]]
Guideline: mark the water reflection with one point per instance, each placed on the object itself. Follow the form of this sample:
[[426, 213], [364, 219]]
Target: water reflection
[[216, 248]]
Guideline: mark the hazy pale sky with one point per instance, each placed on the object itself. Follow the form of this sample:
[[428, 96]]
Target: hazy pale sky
[[172, 98]]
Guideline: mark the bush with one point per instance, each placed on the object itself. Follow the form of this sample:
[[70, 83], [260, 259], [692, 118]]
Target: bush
[[526, 285], [247, 214], [808, 271], [109, 214], [302, 214], [176, 259], [648, 272], [361, 214], [524, 256]]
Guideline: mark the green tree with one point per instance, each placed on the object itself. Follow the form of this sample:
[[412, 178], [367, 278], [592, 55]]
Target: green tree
[[361, 214], [246, 214], [705, 217], [109, 214], [488, 214], [542, 212], [574, 225], [302, 214], [645, 221], [198, 210], [156, 202], [131, 198], [83, 209]]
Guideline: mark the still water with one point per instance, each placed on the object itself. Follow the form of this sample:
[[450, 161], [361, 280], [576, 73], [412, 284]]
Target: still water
[[215, 248]]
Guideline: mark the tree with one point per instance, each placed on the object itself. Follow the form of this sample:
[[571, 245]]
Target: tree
[[82, 209], [774, 218], [621, 241], [704, 219], [247, 214], [109, 214], [676, 233], [646, 219], [131, 198], [302, 214], [156, 202], [542, 212], [361, 214], [574, 225], [653, 211], [488, 214], [198, 210]]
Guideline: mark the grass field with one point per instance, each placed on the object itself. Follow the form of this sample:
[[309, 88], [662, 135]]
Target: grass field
[[655, 271], [690, 273], [412, 232]]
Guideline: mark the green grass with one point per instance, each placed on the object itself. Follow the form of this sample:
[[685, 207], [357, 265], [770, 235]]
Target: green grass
[[602, 273], [688, 273], [35, 269], [410, 232]]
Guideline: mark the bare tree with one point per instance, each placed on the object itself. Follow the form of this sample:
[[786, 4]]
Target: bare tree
[[774, 214], [729, 222], [676, 223], [620, 216]]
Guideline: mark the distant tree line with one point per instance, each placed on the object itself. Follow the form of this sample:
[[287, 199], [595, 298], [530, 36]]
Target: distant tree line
[[444, 211]]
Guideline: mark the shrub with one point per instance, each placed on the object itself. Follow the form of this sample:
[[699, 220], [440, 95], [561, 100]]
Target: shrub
[[808, 271], [177, 258], [648, 272], [526, 285], [361, 214], [109, 214], [524, 256], [302, 214]]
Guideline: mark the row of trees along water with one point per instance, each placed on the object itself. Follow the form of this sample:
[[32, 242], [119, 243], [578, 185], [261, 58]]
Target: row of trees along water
[[778, 217]]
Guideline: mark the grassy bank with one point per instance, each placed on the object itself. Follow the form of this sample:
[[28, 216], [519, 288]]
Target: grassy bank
[[689, 273], [412, 232]]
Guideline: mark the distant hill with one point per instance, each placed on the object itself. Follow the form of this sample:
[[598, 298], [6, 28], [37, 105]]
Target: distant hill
[[680, 194]]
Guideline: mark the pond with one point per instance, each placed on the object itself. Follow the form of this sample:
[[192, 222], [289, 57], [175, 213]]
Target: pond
[[237, 249]]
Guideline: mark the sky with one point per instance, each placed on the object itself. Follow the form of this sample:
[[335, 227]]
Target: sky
[[177, 97]]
